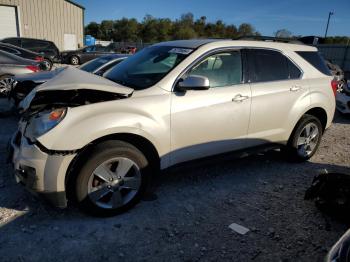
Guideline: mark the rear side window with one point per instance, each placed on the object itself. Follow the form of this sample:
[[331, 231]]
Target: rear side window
[[294, 71], [7, 58], [9, 50], [315, 59], [12, 41], [269, 65], [33, 44]]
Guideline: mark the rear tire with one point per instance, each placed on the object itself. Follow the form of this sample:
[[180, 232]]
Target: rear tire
[[305, 139], [47, 64], [112, 179], [74, 60]]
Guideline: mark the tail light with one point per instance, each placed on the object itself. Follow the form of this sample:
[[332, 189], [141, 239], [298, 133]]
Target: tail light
[[334, 85], [33, 68], [39, 58]]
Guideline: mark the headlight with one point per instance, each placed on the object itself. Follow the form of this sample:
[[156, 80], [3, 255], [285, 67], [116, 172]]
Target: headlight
[[43, 122]]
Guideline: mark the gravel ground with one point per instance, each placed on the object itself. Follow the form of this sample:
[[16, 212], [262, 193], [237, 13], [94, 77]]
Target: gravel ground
[[189, 220]]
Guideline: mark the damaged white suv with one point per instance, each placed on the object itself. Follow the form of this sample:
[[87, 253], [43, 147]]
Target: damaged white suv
[[98, 141]]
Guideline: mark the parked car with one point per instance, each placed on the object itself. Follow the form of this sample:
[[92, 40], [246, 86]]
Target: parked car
[[46, 48], [24, 53], [121, 48], [343, 99], [100, 65], [23, 84], [11, 65], [83, 55], [98, 141]]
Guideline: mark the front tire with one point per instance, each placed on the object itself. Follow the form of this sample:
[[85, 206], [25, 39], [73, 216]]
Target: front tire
[[112, 180], [305, 139]]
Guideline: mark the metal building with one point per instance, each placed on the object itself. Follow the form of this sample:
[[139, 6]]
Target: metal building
[[60, 21]]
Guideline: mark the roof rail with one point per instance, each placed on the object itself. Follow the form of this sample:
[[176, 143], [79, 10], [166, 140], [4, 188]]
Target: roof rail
[[270, 39]]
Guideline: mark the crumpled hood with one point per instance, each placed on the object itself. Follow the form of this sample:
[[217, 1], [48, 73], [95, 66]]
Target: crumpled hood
[[39, 77], [73, 79]]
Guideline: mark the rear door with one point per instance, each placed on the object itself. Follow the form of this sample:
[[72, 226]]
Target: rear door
[[277, 90]]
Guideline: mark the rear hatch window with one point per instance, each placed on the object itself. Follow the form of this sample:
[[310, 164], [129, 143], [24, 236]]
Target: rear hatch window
[[315, 59]]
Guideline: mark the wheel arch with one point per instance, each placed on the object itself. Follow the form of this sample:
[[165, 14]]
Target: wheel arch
[[320, 114], [75, 55], [140, 142]]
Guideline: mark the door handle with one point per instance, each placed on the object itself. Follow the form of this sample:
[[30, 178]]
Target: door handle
[[239, 98], [295, 88]]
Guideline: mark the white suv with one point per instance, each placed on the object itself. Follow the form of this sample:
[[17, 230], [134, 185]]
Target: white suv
[[98, 141]]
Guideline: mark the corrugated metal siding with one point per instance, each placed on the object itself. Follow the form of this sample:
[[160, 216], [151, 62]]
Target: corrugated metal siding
[[338, 54], [49, 19]]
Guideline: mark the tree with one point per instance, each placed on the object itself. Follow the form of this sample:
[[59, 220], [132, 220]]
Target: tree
[[93, 29], [199, 26], [164, 28], [148, 32], [246, 29], [151, 29], [106, 28], [231, 32], [184, 28], [283, 33]]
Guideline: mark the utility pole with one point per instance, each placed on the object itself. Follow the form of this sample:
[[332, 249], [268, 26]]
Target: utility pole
[[329, 17]]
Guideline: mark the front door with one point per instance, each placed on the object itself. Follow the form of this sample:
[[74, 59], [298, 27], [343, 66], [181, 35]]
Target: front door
[[208, 122]]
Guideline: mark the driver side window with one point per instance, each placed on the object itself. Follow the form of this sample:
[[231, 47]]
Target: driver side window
[[222, 69]]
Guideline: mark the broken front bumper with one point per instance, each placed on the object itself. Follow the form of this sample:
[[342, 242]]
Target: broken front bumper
[[41, 173]]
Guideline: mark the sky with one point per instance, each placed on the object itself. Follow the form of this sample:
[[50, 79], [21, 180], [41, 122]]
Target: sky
[[301, 17]]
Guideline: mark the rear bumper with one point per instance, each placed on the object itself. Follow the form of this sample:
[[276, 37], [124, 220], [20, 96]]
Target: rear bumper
[[41, 173]]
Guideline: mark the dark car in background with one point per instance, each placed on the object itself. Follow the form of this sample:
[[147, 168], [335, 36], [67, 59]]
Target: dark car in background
[[11, 65], [83, 55], [24, 53], [121, 48], [45, 48], [100, 65], [23, 84]]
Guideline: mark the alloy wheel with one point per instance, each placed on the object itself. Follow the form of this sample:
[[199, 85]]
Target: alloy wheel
[[114, 183], [47, 65], [308, 139], [6, 85], [75, 60]]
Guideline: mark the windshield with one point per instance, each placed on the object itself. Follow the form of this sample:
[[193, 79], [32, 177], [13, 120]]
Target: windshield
[[148, 66], [94, 64]]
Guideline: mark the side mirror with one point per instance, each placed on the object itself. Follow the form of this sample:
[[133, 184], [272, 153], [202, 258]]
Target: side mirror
[[194, 82]]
